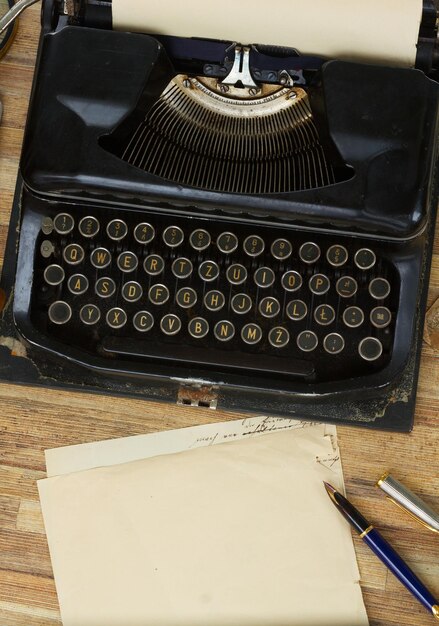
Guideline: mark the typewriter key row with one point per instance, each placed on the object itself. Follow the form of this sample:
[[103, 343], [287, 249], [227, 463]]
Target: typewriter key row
[[253, 246], [60, 312], [209, 271]]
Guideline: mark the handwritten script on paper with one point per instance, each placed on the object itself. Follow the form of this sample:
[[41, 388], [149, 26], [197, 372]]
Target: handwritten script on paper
[[104, 453]]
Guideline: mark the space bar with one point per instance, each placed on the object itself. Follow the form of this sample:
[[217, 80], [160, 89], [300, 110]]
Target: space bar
[[124, 347]]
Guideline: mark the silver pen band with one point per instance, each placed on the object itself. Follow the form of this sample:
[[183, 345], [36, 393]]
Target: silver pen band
[[410, 502]]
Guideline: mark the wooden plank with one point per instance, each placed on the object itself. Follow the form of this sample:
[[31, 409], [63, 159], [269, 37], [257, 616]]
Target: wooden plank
[[24, 552], [27, 590], [14, 614], [9, 507], [30, 517]]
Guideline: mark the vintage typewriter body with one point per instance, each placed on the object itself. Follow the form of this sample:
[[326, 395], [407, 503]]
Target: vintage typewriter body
[[216, 225]]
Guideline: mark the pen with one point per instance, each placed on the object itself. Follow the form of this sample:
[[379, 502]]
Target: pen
[[409, 502], [384, 551]]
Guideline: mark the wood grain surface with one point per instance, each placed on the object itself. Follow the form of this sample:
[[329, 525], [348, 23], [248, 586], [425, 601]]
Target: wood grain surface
[[32, 420]]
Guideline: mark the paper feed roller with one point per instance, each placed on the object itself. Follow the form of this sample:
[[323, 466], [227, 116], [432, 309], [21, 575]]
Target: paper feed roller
[[99, 14]]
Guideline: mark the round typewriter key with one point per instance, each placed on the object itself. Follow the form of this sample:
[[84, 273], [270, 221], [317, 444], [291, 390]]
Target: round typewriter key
[[379, 288], [47, 249], [227, 243], [182, 268], [364, 259], [173, 236], [251, 334], [324, 314], [47, 226], [337, 255], [370, 349], [89, 314], [224, 330], [307, 341], [105, 287], [117, 230], [116, 318], [236, 274], [143, 321], [214, 300], [73, 254], [154, 264], [254, 245], [158, 294], [309, 252], [380, 317], [100, 258], [291, 281], [186, 297], [208, 271], [127, 262], [346, 287], [89, 226], [170, 324], [60, 312], [241, 303], [198, 327], [279, 337], [63, 223], [281, 249], [144, 233], [54, 275], [269, 307], [77, 284], [200, 239], [132, 291], [264, 277], [353, 317], [296, 310], [319, 284], [333, 343]]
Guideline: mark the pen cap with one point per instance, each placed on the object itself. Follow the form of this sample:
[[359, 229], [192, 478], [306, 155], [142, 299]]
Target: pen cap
[[409, 501]]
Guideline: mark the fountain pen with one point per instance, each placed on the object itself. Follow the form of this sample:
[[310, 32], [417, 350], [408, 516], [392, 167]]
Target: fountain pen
[[384, 551]]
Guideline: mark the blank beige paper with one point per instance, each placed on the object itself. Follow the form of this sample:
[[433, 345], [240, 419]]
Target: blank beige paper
[[373, 30], [240, 534]]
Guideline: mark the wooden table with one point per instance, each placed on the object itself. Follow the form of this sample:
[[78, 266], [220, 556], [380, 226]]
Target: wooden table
[[32, 420]]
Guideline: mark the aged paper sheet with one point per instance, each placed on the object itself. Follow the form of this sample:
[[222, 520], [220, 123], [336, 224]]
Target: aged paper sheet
[[238, 533], [65, 460], [378, 30]]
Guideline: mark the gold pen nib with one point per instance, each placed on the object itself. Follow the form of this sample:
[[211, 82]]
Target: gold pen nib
[[331, 492]]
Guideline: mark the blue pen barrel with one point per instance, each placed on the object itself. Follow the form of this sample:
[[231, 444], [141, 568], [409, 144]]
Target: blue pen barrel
[[401, 570]]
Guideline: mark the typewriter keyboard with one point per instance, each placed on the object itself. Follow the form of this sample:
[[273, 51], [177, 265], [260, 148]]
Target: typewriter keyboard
[[217, 295]]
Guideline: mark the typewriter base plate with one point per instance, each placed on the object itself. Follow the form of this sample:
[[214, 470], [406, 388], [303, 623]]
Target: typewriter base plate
[[386, 413]]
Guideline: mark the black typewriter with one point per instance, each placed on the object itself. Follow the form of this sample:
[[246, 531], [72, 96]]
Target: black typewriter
[[216, 224]]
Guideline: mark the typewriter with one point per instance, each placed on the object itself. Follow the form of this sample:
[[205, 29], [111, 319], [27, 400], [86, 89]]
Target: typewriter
[[222, 225]]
